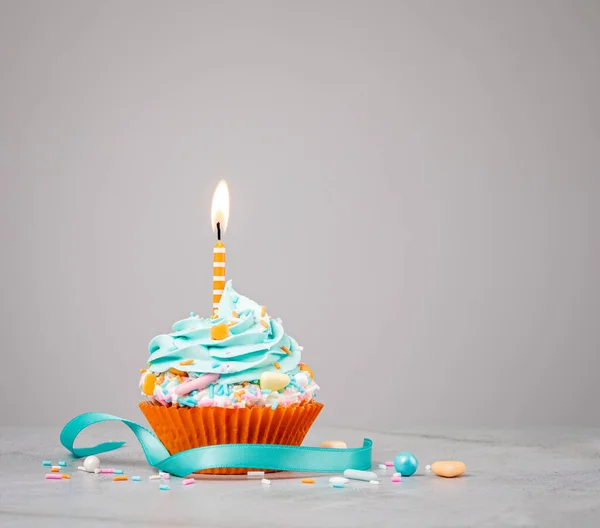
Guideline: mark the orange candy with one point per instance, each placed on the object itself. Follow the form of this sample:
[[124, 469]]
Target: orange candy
[[186, 362], [286, 349], [148, 385], [54, 470], [119, 477], [305, 367], [219, 332], [235, 314], [308, 481], [177, 372], [263, 311], [264, 323], [66, 476], [277, 365]]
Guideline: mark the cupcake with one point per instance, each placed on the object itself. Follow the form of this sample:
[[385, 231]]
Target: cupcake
[[235, 377]]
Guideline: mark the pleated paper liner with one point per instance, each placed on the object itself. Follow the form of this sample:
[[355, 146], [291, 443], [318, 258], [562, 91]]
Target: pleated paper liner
[[182, 428]]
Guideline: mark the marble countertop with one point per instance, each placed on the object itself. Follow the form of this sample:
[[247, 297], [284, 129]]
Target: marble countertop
[[525, 477]]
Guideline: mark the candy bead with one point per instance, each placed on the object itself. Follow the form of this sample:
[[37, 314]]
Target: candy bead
[[406, 463], [448, 468], [219, 332], [356, 474], [91, 463], [274, 381], [334, 444]]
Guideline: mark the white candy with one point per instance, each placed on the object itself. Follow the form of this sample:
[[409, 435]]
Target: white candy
[[266, 482], [427, 467], [80, 468], [373, 482], [382, 466], [301, 379], [338, 480], [97, 471], [91, 463]]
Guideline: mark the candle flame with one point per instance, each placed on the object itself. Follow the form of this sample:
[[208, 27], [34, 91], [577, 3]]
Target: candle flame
[[219, 211]]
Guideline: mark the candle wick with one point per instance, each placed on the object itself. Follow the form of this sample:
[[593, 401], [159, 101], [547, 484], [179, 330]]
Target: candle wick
[[219, 231]]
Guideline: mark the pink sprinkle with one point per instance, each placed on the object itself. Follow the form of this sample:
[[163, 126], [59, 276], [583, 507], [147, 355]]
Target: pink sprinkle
[[54, 476], [248, 396], [396, 479], [206, 403], [389, 464], [199, 383], [188, 481], [107, 470]]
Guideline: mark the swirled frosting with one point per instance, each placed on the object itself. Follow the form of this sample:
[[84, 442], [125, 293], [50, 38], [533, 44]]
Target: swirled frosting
[[255, 343]]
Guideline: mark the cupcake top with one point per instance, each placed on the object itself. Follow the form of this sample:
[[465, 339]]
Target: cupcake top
[[238, 358]]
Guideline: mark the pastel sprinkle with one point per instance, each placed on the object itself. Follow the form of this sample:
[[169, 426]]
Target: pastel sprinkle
[[308, 481], [373, 482], [275, 404], [338, 480], [256, 473], [55, 469], [97, 471], [277, 365], [154, 477], [53, 476], [120, 478], [81, 468], [266, 482], [164, 487], [264, 323], [188, 481], [382, 466], [107, 470], [396, 479], [339, 485], [263, 311], [389, 463], [286, 350], [46, 463], [235, 314], [211, 391], [216, 365], [187, 362], [136, 478], [118, 471], [62, 463]]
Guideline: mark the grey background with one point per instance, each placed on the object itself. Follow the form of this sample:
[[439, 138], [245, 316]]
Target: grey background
[[414, 191]]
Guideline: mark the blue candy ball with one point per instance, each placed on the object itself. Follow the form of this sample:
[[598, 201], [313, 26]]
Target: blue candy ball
[[406, 463]]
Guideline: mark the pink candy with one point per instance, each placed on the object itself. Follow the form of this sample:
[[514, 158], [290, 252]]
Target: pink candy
[[389, 463], [396, 479], [54, 476], [197, 384], [107, 470], [188, 481]]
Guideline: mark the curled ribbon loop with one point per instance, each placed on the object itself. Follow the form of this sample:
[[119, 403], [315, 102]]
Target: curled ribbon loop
[[267, 456]]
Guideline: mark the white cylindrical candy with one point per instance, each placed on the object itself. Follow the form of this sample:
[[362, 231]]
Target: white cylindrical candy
[[356, 474], [338, 480]]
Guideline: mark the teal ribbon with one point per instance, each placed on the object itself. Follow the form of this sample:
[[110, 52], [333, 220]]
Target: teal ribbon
[[266, 456]]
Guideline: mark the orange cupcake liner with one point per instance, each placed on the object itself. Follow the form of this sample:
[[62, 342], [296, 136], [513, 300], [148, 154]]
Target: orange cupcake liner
[[182, 428]]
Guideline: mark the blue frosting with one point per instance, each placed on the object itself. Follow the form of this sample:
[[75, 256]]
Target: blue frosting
[[244, 355]]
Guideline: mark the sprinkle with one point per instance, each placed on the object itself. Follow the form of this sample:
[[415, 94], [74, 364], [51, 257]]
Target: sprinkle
[[373, 482], [62, 463], [263, 311], [211, 391], [66, 476], [192, 314], [81, 468], [154, 477], [427, 467], [118, 471], [53, 476], [396, 479], [275, 404], [136, 478], [277, 365], [164, 475], [187, 362], [339, 485], [266, 482], [235, 314], [55, 469], [142, 371], [216, 365], [264, 323], [382, 466], [188, 481], [286, 349], [308, 481], [397, 475], [120, 478], [338, 480], [97, 471], [389, 463], [164, 487], [220, 390], [46, 463], [256, 473], [107, 470]]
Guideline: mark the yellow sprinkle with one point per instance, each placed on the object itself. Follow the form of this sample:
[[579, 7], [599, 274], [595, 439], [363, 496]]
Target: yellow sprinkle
[[263, 311], [264, 323], [186, 362], [308, 481], [286, 349], [235, 314], [277, 365]]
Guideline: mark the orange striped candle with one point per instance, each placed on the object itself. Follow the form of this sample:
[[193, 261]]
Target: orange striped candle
[[219, 259]]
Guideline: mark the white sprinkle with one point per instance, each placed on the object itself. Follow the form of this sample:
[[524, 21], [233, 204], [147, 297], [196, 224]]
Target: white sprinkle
[[97, 471], [373, 482], [427, 467], [154, 477], [382, 466], [256, 473], [81, 468], [266, 482], [397, 475]]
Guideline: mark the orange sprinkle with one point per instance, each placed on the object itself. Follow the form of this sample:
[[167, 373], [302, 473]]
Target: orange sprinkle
[[54, 470], [160, 379], [305, 367], [277, 365], [235, 314], [286, 349], [264, 323], [66, 476], [308, 481], [219, 332], [263, 311], [142, 371], [177, 372], [187, 362], [233, 323], [120, 477]]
